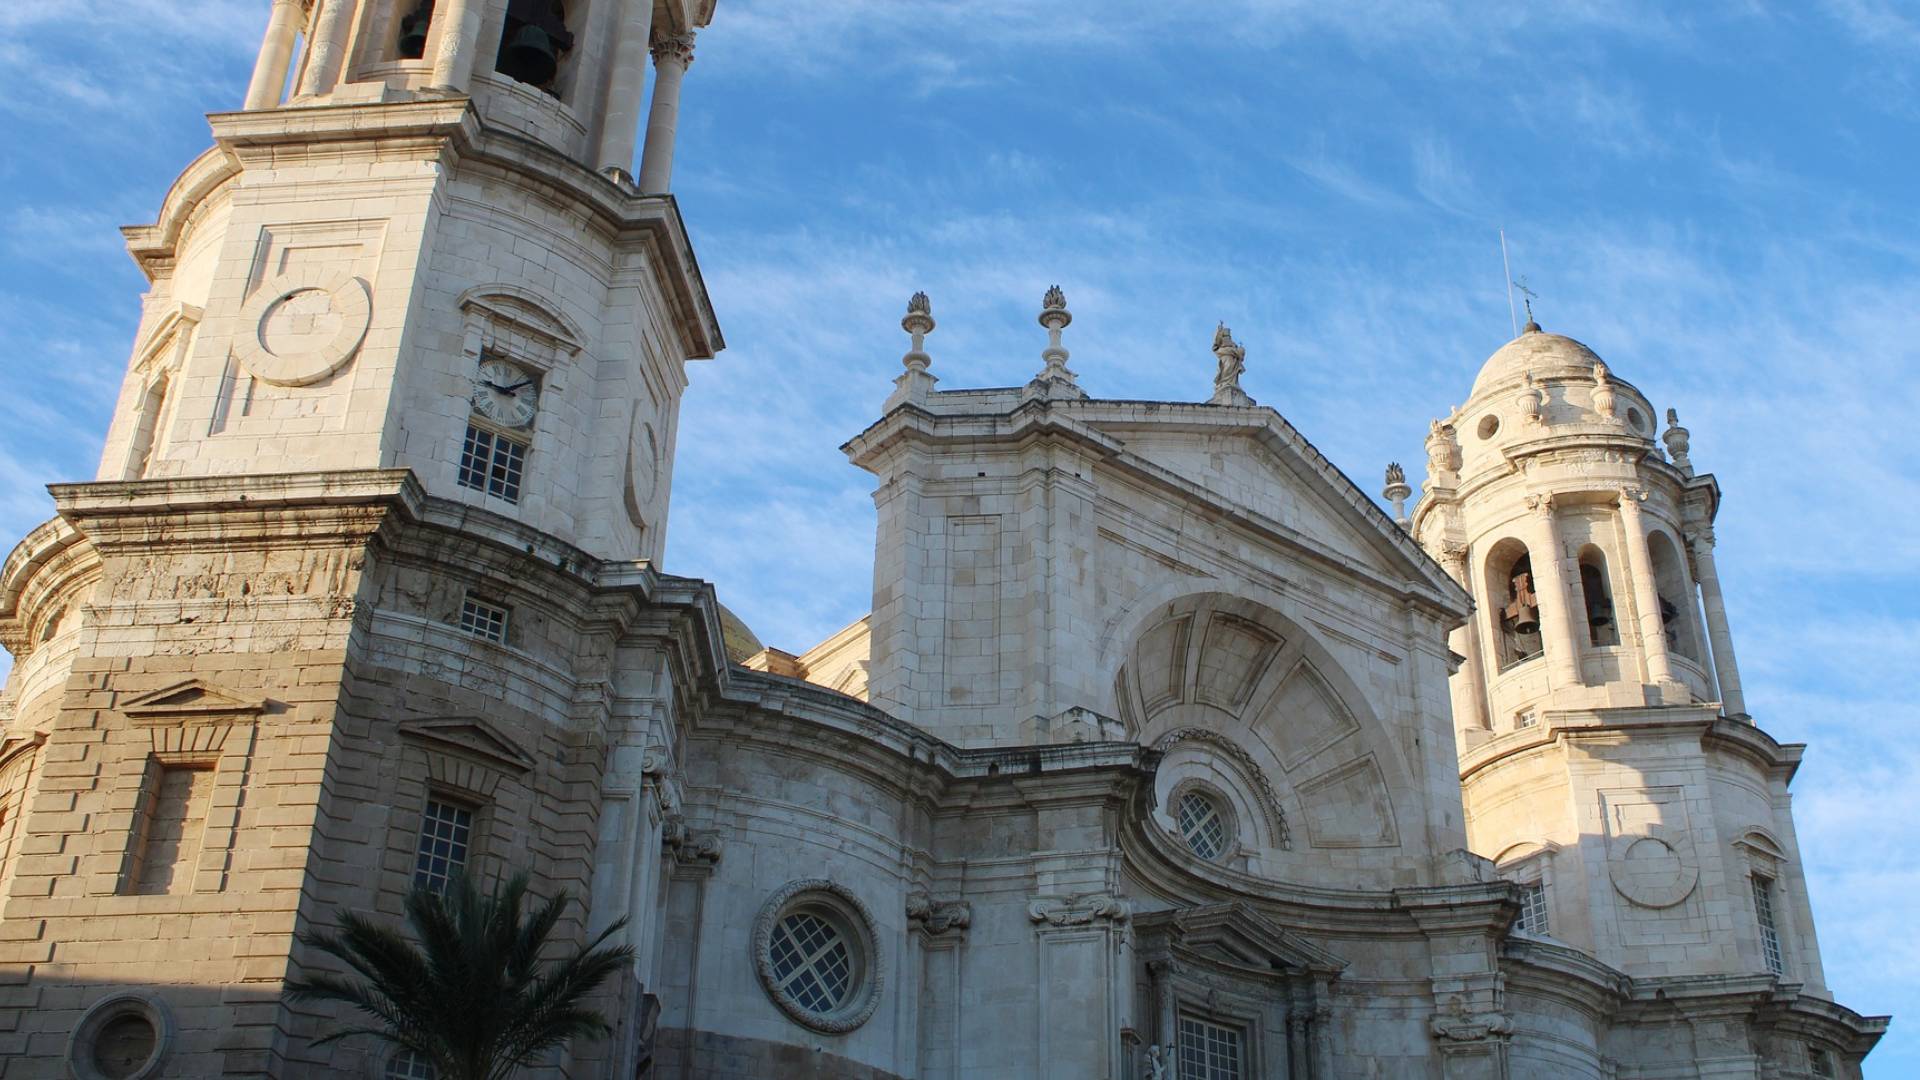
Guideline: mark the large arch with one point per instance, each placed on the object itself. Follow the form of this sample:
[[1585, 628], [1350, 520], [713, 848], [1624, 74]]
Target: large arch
[[1283, 720]]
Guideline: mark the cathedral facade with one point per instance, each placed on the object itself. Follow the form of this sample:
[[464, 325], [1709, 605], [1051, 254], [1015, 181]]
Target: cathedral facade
[[1163, 751]]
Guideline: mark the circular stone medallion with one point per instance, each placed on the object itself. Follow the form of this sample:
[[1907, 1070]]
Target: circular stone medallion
[[303, 326], [1652, 874]]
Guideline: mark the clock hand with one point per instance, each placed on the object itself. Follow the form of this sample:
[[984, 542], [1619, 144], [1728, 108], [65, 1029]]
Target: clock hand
[[517, 387]]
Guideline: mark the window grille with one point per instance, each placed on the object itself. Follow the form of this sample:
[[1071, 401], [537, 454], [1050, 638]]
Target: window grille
[[1202, 825], [1769, 932], [446, 832], [1533, 909], [1210, 1051], [407, 1065], [483, 620], [811, 962], [492, 463]]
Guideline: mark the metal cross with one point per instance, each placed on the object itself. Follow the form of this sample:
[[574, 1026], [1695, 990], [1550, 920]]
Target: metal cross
[[1521, 284]]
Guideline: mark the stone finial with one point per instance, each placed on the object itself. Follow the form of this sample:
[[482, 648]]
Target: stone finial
[[1396, 492], [1232, 360], [1441, 448], [916, 382], [1532, 401], [1603, 395], [1677, 440], [1055, 379]]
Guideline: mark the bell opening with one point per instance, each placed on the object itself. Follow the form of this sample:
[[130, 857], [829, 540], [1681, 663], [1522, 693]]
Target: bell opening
[[532, 43]]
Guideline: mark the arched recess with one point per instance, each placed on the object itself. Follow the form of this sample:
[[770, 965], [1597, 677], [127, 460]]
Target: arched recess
[[1513, 603], [1278, 718], [1675, 596]]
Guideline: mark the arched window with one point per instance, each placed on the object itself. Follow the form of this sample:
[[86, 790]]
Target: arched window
[[1675, 596], [147, 435], [410, 42], [1514, 602], [1602, 626]]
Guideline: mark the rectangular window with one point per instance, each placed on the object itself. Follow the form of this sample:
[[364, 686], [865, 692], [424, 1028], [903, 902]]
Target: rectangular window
[[167, 833], [483, 620], [1821, 1061], [446, 831], [1210, 1051], [1533, 909], [492, 463], [1769, 931]]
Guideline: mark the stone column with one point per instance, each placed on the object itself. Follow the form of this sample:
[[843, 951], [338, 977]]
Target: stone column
[[626, 87], [1465, 639], [276, 54], [1732, 701], [1550, 584], [1646, 594], [327, 49], [459, 34], [671, 55]]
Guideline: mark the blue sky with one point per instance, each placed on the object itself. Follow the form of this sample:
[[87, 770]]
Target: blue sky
[[1719, 198]]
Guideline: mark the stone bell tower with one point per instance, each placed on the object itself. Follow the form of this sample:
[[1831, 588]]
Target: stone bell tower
[[1608, 761], [364, 593], [419, 246]]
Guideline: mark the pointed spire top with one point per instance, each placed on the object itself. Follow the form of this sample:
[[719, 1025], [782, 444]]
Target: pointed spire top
[[916, 382]]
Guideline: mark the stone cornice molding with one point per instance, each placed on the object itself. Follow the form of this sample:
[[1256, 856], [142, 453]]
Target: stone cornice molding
[[1559, 728]]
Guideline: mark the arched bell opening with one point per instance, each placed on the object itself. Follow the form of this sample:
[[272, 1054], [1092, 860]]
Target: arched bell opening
[[147, 435], [1596, 589], [1514, 603], [1675, 597], [535, 44], [410, 30]]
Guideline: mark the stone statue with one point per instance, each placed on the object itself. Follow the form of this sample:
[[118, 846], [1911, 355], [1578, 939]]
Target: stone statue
[[1232, 358], [1156, 1063]]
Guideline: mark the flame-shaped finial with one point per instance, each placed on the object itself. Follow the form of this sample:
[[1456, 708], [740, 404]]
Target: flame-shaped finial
[[918, 304]]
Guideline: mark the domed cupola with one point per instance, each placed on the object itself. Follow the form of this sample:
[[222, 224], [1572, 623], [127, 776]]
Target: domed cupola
[[1547, 496]]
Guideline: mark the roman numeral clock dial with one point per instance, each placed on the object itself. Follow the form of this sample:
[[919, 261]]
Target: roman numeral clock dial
[[505, 393]]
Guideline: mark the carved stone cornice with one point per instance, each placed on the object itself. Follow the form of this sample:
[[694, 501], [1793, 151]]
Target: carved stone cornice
[[937, 917], [1083, 910]]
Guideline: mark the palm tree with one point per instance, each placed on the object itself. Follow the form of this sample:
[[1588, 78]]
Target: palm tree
[[470, 998]]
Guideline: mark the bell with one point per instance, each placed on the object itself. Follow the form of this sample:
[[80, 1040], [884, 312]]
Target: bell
[[1524, 608], [413, 31], [1602, 612], [529, 56]]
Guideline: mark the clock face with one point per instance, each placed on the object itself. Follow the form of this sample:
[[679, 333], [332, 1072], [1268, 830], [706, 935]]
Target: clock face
[[505, 393]]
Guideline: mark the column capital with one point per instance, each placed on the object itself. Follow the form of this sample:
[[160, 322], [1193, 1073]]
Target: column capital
[[1701, 540], [1540, 504], [673, 47], [1631, 496]]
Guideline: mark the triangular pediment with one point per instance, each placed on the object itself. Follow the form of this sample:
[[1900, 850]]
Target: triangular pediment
[[1235, 933], [472, 736], [191, 699], [1252, 463]]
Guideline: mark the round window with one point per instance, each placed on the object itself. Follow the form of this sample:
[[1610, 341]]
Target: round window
[[1489, 424], [1639, 422], [1203, 825], [122, 1037], [818, 955]]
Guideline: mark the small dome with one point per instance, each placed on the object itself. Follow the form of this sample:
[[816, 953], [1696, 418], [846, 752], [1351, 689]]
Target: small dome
[[1534, 351], [740, 640]]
